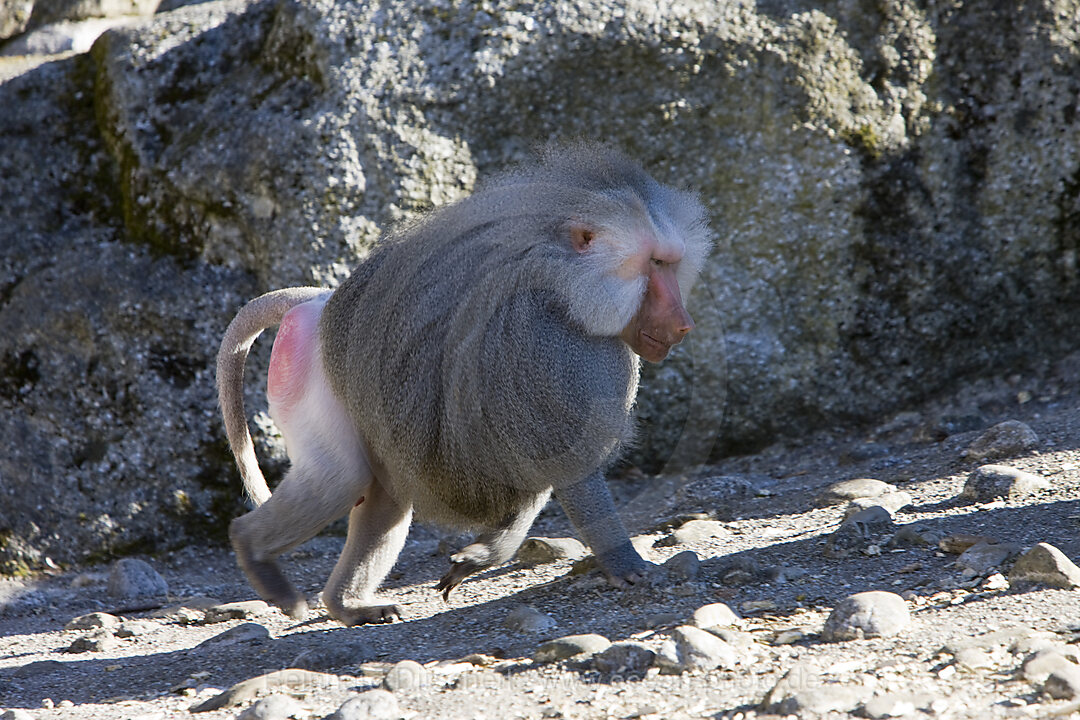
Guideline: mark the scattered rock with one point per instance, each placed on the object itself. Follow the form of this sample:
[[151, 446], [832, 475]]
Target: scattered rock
[[91, 621], [982, 558], [662, 619], [997, 482], [782, 574], [1044, 564], [38, 667], [247, 632], [539, 550], [866, 614], [97, 640], [406, 675], [1011, 437], [368, 705], [274, 707], [1063, 683], [131, 577], [684, 566], [975, 658], [750, 607], [135, 628], [860, 531], [1039, 665], [528, 620], [891, 501], [331, 655], [803, 691], [897, 704], [291, 680], [695, 531], [847, 490], [625, 657], [957, 544], [916, 535], [235, 611], [714, 615], [692, 648], [571, 646], [189, 610]]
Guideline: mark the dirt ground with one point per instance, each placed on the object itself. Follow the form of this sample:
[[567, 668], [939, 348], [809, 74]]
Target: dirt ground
[[960, 656]]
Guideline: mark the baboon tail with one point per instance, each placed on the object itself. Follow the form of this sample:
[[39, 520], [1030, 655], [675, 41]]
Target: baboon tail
[[262, 312]]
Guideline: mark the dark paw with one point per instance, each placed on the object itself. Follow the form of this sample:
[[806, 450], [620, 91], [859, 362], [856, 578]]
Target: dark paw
[[366, 615], [625, 568], [472, 559]]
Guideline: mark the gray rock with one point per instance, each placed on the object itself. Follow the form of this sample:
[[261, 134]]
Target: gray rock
[[982, 558], [892, 501], [97, 640], [695, 531], [92, 620], [292, 680], [274, 707], [993, 482], [406, 676], [866, 614], [368, 705], [528, 620], [1063, 683], [131, 577], [626, 657], [246, 632], [1038, 666], [332, 655], [538, 550], [1011, 437], [871, 526], [571, 646], [1044, 564], [684, 566], [38, 667], [896, 704], [235, 611], [692, 649], [16, 714], [847, 490], [801, 690], [715, 615], [135, 628]]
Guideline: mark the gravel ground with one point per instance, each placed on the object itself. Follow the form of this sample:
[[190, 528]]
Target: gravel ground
[[961, 644]]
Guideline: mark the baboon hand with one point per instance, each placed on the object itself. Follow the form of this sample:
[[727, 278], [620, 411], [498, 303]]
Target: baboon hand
[[623, 567], [473, 558]]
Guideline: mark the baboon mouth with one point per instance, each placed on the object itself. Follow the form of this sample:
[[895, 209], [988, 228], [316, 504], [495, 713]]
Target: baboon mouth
[[660, 344]]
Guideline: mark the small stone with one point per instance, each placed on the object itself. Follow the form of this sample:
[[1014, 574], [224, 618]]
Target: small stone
[[97, 640], [247, 632], [368, 705], [891, 501], [274, 707], [994, 582], [984, 558], [867, 614], [847, 490], [684, 566], [38, 667], [135, 628], [1063, 683], [783, 574], [1001, 482], [898, 704], [540, 550], [528, 620], [694, 649], [91, 621], [16, 714], [329, 656], [864, 528], [625, 657], [1044, 564], [750, 607], [571, 646], [406, 675], [789, 637], [1011, 437], [131, 577], [292, 680], [956, 544], [190, 607], [235, 611], [914, 535], [662, 619], [695, 531], [715, 615], [975, 658], [802, 691], [1038, 666]]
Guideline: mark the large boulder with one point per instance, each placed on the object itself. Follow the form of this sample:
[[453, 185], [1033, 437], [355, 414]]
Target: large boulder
[[895, 193]]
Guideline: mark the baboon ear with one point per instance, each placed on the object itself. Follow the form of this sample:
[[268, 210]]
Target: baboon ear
[[581, 236]]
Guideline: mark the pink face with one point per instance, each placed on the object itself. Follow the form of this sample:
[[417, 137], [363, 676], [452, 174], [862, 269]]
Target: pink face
[[661, 321]]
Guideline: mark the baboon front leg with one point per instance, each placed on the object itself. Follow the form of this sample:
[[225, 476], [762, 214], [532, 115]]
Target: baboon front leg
[[377, 530], [493, 547]]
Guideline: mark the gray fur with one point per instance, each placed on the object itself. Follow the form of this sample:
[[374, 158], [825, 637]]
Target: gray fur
[[477, 354]]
